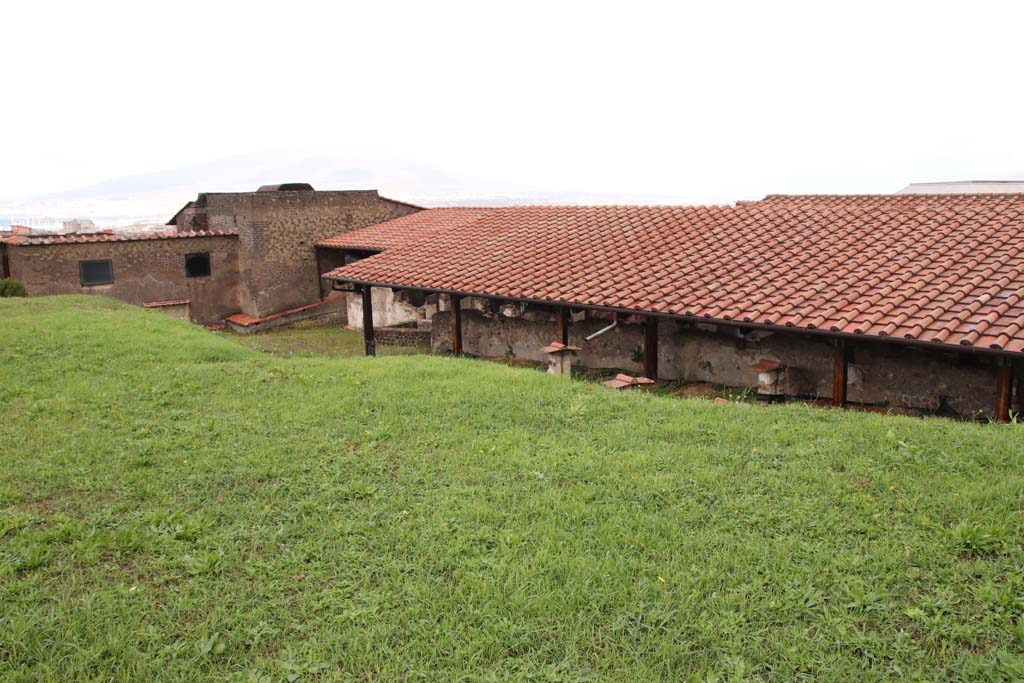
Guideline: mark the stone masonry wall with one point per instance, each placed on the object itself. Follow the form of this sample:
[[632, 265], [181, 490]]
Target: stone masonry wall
[[880, 374], [402, 336], [277, 237], [144, 271]]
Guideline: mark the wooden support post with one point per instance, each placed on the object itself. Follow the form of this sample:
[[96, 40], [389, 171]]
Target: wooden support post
[[456, 324], [840, 370], [1018, 392], [651, 347], [1004, 390], [562, 331], [369, 342]]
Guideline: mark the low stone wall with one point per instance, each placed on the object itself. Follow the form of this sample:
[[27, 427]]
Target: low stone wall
[[402, 336], [879, 373]]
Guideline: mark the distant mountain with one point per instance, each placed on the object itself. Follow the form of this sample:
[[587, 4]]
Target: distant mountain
[[155, 197]]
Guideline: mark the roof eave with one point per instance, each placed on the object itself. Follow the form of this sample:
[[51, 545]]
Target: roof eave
[[738, 324]]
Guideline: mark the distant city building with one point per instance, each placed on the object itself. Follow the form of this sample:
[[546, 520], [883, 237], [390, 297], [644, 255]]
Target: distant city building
[[966, 187], [78, 225]]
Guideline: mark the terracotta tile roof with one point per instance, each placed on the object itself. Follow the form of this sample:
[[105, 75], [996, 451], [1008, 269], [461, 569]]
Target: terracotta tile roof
[[112, 237], [947, 269], [404, 231]]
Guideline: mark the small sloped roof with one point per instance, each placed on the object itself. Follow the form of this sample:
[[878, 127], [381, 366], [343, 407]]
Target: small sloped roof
[[174, 219], [88, 238]]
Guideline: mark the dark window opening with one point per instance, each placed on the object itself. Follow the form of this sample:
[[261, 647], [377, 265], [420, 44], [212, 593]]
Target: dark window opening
[[197, 265], [353, 255], [95, 272]]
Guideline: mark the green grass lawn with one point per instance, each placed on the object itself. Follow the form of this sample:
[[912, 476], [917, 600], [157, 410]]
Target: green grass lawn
[[307, 339], [176, 506]]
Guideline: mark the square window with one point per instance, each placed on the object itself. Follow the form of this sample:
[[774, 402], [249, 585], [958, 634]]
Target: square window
[[197, 265], [95, 272]]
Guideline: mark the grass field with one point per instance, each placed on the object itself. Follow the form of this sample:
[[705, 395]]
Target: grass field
[[176, 506], [307, 339]]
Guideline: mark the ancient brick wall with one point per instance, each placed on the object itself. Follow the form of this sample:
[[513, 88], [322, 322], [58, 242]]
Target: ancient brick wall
[[402, 336], [277, 237], [144, 271]]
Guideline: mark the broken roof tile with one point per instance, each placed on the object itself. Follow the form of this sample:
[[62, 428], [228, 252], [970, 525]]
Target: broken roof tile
[[766, 365], [559, 347], [623, 381]]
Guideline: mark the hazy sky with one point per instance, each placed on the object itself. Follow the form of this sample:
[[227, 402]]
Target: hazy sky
[[708, 99]]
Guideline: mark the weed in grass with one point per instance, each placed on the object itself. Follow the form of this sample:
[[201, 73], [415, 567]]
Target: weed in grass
[[34, 557], [974, 539], [209, 562]]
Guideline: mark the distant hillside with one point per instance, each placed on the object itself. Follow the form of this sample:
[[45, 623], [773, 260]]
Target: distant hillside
[[156, 196]]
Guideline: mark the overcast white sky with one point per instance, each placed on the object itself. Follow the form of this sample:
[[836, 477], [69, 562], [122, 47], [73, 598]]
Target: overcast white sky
[[708, 99]]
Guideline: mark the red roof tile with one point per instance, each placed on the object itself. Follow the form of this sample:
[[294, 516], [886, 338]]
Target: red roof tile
[[245, 320], [559, 347], [622, 381], [947, 269], [112, 237], [765, 365], [406, 230]]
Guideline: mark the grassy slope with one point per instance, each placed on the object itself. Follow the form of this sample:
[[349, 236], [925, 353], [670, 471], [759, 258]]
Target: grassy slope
[[315, 340], [174, 506]]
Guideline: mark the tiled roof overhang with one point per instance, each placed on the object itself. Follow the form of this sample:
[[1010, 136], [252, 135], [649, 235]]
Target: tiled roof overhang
[[92, 238], [943, 271]]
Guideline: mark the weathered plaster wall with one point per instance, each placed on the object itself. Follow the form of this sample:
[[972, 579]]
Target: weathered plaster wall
[[516, 337], [144, 271], [277, 234], [878, 373], [391, 308]]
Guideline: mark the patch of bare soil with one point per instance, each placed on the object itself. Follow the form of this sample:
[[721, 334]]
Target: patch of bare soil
[[698, 390]]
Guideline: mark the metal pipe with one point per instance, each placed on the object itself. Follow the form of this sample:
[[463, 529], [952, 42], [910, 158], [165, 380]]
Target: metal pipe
[[615, 323]]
